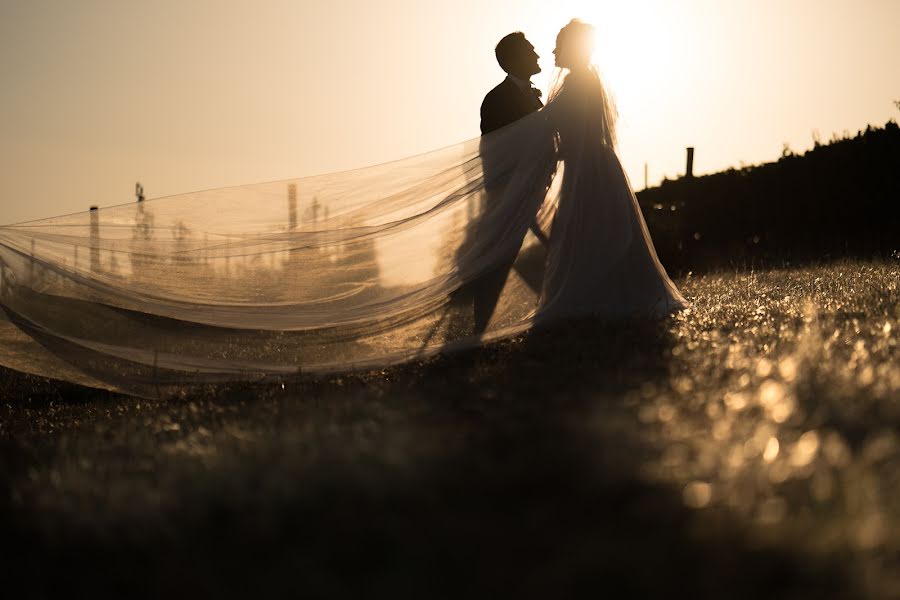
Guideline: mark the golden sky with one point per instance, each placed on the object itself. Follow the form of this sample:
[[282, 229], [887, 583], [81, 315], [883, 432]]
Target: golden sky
[[208, 93]]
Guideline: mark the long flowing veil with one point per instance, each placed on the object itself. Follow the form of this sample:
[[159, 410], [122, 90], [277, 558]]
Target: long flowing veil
[[342, 271], [326, 273]]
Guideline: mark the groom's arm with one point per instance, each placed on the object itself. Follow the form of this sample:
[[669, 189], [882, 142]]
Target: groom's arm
[[491, 115], [536, 230], [497, 110]]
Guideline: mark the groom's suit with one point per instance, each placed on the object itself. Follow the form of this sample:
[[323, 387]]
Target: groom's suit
[[511, 100], [506, 103]]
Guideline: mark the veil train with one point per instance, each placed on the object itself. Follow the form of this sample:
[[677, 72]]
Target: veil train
[[348, 270]]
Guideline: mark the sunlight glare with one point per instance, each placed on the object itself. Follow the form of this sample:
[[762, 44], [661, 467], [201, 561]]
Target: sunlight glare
[[637, 52], [646, 53]]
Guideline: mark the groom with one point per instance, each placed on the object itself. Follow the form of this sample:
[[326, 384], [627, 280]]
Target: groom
[[514, 97], [511, 100]]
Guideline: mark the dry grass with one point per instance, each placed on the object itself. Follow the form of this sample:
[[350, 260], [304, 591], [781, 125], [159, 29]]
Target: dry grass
[[746, 448]]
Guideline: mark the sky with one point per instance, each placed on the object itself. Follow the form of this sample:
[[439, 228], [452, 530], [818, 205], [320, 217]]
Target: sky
[[184, 96]]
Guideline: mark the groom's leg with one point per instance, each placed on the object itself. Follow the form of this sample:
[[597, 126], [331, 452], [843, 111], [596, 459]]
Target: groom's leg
[[487, 294]]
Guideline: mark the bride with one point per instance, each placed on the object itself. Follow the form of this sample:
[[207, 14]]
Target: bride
[[342, 271], [601, 259]]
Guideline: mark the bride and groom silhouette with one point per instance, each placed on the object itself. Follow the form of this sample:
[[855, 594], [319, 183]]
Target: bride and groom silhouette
[[600, 259]]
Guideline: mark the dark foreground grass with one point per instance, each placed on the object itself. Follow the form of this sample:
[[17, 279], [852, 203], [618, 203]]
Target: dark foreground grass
[[747, 448]]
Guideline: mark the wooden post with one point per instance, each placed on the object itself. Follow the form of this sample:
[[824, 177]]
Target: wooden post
[[292, 206], [689, 171], [31, 265], [95, 239]]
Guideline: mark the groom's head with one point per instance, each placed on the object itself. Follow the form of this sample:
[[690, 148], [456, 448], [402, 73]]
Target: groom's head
[[516, 56]]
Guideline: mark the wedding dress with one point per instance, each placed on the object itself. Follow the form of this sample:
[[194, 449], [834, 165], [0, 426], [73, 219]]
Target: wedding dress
[[352, 270], [601, 259]]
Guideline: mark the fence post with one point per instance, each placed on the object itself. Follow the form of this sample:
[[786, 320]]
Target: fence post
[[689, 171], [292, 206], [95, 239], [31, 265]]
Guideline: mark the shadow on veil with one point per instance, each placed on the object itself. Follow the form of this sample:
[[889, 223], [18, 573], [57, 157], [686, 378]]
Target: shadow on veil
[[501, 248]]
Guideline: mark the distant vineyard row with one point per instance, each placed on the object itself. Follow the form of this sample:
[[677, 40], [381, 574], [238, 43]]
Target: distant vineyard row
[[841, 199]]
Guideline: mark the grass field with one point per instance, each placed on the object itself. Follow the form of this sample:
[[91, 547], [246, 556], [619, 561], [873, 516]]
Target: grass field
[[749, 447]]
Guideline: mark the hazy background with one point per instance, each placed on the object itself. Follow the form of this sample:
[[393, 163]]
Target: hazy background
[[208, 93]]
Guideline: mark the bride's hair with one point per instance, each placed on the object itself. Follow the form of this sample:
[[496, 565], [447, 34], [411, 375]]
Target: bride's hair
[[575, 42], [577, 39]]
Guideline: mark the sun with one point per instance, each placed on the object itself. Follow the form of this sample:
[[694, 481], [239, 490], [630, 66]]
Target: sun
[[636, 50], [637, 46]]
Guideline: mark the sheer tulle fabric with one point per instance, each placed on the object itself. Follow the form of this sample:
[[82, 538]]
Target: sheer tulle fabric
[[336, 272]]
